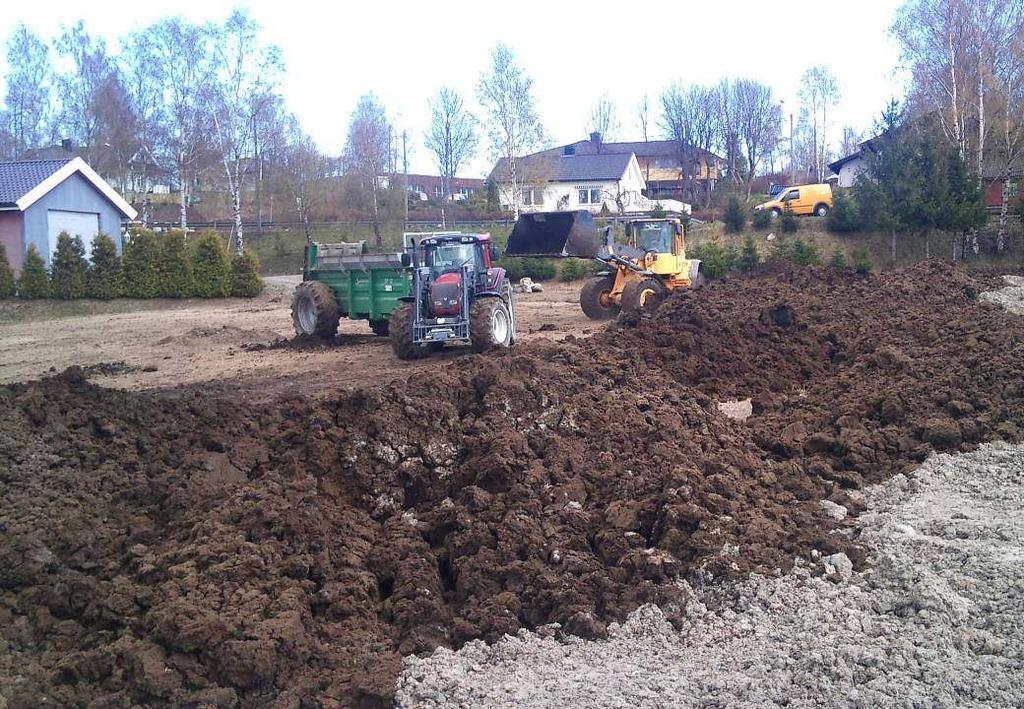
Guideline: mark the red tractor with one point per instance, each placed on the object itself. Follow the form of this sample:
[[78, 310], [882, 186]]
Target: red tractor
[[457, 295]]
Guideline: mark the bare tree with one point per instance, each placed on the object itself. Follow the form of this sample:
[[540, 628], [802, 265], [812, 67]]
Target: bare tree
[[88, 69], [452, 136], [1008, 79], [818, 91], [174, 60], [513, 126], [690, 117], [603, 119], [643, 117], [758, 123], [368, 152], [246, 81], [850, 141], [301, 172], [29, 92]]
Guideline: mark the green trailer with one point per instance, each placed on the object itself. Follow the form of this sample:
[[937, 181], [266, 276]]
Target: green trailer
[[343, 280]]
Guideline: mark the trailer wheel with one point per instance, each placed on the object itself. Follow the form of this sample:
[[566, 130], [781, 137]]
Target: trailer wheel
[[510, 303], [642, 295], [315, 310], [490, 324], [379, 327], [595, 298], [400, 333]]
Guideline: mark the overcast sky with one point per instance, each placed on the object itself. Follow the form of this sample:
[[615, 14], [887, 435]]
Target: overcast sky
[[404, 50]]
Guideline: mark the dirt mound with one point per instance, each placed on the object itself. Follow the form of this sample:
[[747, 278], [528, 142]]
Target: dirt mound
[[210, 552]]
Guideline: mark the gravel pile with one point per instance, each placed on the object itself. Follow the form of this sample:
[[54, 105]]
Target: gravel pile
[[934, 620], [1010, 297]]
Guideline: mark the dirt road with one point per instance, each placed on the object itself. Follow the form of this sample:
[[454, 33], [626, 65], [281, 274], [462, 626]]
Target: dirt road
[[192, 341]]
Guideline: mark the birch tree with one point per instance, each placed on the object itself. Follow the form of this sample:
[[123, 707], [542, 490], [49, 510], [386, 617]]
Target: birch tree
[[29, 92], [818, 92], [301, 172], [690, 117], [758, 123], [246, 79], [452, 136], [368, 152], [513, 125]]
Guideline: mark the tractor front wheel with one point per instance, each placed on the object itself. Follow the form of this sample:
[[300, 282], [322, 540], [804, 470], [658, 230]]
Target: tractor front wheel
[[400, 333], [379, 327], [315, 310], [490, 324], [642, 295], [596, 298]]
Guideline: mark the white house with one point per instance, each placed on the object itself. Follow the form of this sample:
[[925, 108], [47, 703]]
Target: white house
[[848, 168], [572, 182]]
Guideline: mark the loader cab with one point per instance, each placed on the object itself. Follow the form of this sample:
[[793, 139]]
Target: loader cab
[[660, 236]]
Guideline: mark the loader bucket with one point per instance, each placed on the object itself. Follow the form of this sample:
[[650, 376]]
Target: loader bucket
[[554, 235]]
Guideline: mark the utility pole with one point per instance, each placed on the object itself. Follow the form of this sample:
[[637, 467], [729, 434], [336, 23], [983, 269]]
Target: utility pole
[[405, 182]]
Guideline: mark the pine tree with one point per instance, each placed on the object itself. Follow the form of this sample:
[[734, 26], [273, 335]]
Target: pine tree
[[34, 281], [141, 265], [842, 218], [245, 275], [67, 272], [105, 280], [838, 260], [175, 265], [749, 258], [735, 219], [210, 267], [8, 286]]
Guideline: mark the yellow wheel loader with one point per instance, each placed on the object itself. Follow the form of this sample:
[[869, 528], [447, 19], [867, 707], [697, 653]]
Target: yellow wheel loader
[[639, 272]]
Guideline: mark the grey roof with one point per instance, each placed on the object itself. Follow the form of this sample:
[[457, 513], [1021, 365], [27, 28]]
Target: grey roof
[[566, 168], [19, 177]]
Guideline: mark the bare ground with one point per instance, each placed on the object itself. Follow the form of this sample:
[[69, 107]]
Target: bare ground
[[162, 344]]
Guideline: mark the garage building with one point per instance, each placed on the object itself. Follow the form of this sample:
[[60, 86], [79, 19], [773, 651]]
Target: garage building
[[41, 198]]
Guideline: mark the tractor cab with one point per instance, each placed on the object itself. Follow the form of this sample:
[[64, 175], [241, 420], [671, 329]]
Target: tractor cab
[[662, 242]]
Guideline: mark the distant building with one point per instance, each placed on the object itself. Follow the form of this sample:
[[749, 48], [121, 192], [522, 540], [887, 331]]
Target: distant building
[[426, 187], [41, 198], [643, 171]]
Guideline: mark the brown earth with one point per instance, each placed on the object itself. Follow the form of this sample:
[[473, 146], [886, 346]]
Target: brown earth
[[196, 549]]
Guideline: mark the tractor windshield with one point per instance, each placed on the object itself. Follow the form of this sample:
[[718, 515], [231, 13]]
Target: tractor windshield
[[655, 236], [445, 258]]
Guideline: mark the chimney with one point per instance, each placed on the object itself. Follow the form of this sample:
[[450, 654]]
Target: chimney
[[595, 138], [67, 144]]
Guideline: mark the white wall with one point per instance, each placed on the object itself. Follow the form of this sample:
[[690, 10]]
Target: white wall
[[849, 171]]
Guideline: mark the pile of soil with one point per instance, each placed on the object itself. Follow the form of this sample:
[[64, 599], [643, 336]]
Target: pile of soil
[[196, 550]]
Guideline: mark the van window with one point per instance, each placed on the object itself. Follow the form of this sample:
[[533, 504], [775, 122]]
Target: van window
[[792, 195]]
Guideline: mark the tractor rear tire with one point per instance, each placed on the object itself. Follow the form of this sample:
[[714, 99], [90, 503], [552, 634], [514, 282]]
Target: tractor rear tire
[[379, 327], [642, 295], [490, 324], [315, 310], [595, 298], [400, 333]]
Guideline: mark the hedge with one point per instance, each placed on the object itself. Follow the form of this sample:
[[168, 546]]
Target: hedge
[[35, 281], [211, 271], [142, 265], [67, 272], [174, 266], [245, 275], [8, 286], [105, 279]]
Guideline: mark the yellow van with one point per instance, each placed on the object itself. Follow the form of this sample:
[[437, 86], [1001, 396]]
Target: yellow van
[[802, 199]]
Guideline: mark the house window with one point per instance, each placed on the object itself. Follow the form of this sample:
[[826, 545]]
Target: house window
[[584, 196], [569, 150], [533, 197], [595, 196], [666, 163], [438, 190]]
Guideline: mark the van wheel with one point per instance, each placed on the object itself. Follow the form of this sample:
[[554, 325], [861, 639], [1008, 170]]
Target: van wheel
[[821, 210], [776, 212]]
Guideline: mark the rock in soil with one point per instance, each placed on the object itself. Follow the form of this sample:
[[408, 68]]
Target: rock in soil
[[193, 549]]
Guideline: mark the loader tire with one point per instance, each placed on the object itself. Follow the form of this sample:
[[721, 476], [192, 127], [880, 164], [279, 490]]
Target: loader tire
[[315, 310], [490, 324], [400, 333], [380, 327], [642, 295], [595, 298]]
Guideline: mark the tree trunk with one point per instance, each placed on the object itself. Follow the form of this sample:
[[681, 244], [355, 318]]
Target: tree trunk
[[893, 248], [1004, 210], [377, 239], [928, 243], [184, 199], [237, 208]]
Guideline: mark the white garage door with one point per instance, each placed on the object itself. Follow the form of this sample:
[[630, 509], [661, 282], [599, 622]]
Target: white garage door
[[83, 224]]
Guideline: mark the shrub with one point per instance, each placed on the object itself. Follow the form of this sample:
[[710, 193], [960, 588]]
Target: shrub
[[805, 253], [141, 265], [513, 268], [838, 260], [175, 266], [749, 258], [762, 219], [8, 286], [843, 217], [35, 281], [105, 279], [68, 269], [658, 211], [788, 222], [245, 275], [715, 261], [861, 260], [572, 269], [735, 218], [210, 267]]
